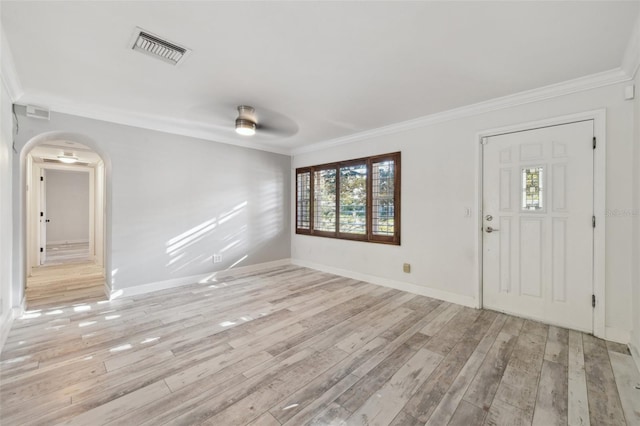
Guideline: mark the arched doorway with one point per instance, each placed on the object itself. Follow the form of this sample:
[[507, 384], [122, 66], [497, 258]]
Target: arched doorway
[[65, 221]]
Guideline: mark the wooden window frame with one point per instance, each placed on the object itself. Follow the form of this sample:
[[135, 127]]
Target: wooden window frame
[[368, 236], [298, 173]]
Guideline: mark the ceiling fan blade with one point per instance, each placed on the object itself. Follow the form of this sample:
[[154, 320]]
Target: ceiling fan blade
[[274, 124], [222, 115]]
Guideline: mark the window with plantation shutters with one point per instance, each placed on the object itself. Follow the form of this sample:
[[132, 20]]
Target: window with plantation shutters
[[303, 200], [354, 199], [383, 194]]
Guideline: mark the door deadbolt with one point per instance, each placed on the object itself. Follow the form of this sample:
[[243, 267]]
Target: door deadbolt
[[489, 218]]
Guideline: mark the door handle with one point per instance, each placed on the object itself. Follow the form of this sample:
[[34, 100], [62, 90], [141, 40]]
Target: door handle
[[490, 230]]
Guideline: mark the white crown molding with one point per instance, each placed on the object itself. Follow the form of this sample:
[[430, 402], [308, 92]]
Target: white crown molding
[[146, 121], [631, 59], [589, 82], [209, 132], [8, 73]]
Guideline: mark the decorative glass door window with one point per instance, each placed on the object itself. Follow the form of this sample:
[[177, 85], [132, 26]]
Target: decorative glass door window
[[533, 189]]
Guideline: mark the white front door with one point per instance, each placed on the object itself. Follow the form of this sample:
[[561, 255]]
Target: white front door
[[537, 224]]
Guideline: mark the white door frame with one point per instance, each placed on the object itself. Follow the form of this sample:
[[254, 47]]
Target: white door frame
[[99, 213], [41, 215], [599, 201], [38, 167], [21, 204]]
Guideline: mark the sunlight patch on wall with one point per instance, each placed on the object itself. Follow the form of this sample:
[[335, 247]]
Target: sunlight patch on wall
[[191, 236], [238, 261]]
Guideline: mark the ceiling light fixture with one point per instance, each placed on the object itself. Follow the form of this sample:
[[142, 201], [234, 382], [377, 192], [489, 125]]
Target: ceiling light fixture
[[245, 123], [67, 158]]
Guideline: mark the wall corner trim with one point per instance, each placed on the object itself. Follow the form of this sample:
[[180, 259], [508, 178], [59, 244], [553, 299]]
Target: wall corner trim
[[398, 285], [193, 279]]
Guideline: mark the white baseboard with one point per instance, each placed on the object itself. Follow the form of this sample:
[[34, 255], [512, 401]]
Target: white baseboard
[[635, 354], [5, 327], [67, 242], [193, 279], [617, 335], [398, 285], [7, 322]]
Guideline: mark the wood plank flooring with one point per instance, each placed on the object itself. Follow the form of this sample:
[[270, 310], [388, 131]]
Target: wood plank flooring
[[67, 253], [294, 346], [67, 276], [65, 283]]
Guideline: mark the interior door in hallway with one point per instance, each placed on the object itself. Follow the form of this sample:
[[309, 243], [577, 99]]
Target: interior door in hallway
[[43, 217], [537, 224]]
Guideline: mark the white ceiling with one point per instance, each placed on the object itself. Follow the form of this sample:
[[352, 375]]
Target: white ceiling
[[315, 71]]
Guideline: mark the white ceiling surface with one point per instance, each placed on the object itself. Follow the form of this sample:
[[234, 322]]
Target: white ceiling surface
[[315, 71]]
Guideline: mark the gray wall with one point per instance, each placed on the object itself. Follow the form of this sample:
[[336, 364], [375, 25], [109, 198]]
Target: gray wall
[[6, 223], [175, 201], [67, 206], [635, 213]]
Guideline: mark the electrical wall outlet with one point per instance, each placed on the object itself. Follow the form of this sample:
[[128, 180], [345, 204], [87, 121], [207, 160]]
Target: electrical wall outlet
[[406, 267], [217, 258]]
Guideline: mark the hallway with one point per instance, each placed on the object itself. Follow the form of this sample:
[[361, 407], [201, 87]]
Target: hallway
[[67, 276]]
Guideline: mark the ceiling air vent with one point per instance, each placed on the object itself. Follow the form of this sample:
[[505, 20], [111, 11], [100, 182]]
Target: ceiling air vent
[[37, 112], [153, 45]]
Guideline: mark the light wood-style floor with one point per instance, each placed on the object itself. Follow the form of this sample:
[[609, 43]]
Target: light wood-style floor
[[67, 276], [293, 346], [66, 253]]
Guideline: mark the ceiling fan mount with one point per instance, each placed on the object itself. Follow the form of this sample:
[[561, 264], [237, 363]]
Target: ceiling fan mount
[[246, 122]]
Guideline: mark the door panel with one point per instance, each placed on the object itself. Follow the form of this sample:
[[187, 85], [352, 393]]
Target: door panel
[[537, 229], [43, 217]]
